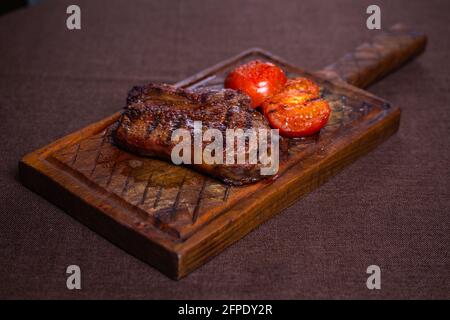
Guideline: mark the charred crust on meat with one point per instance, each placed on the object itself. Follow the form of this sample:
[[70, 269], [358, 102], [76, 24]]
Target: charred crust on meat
[[154, 111]]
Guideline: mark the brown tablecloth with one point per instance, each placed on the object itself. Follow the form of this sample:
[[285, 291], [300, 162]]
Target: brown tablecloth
[[390, 208]]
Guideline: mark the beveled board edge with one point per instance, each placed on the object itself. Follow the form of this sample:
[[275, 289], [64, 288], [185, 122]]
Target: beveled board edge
[[249, 214], [179, 259], [92, 208]]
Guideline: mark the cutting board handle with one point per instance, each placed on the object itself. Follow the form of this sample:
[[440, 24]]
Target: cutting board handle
[[373, 60]]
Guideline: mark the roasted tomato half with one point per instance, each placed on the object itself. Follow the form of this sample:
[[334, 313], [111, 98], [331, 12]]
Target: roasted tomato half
[[260, 80], [298, 110]]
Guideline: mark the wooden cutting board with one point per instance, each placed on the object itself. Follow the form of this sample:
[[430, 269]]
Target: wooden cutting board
[[177, 219]]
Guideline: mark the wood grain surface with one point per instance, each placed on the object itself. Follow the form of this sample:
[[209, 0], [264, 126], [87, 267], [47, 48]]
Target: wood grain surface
[[177, 219]]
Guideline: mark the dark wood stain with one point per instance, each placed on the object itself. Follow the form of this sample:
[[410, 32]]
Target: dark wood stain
[[112, 197]]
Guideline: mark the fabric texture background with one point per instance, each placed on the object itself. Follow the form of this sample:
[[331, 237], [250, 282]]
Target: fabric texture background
[[389, 208]]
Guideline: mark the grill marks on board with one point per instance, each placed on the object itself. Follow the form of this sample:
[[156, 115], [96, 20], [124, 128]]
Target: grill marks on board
[[179, 208]]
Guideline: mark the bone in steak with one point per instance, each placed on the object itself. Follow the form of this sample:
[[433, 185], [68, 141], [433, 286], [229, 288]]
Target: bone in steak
[[154, 111]]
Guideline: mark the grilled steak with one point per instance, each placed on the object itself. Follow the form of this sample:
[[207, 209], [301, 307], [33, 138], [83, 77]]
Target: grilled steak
[[154, 111]]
